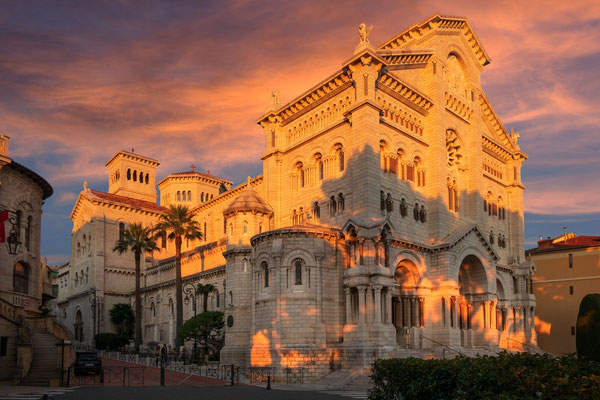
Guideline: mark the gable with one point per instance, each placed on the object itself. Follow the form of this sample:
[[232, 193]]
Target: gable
[[442, 24]]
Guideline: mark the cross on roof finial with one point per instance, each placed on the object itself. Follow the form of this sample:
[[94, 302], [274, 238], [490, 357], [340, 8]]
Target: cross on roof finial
[[193, 167]]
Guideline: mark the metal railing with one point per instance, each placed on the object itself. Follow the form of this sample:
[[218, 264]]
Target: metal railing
[[441, 344]]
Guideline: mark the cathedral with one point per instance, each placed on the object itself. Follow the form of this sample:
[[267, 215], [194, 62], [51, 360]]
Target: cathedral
[[387, 222]]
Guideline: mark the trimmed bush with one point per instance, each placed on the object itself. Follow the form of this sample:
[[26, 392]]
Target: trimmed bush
[[588, 328], [110, 341], [505, 376]]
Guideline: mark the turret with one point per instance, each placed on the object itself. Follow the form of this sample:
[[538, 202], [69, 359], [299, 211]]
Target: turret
[[132, 175]]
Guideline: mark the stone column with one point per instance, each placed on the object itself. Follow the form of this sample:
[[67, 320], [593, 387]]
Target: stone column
[[369, 305], [361, 305], [377, 290], [388, 302], [319, 294], [348, 306]]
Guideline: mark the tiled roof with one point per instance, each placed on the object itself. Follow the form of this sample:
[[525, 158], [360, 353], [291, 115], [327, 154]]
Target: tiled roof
[[41, 182], [577, 242], [248, 200], [199, 174], [136, 203]]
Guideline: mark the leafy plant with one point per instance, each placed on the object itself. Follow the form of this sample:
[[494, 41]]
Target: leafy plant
[[122, 317], [204, 291], [110, 341], [179, 224], [206, 328], [139, 240], [588, 328], [501, 377]]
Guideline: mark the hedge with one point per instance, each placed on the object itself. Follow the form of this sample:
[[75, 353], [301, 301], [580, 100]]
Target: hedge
[[588, 328], [505, 376], [110, 341]]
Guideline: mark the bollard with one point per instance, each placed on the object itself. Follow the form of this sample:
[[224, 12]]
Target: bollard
[[269, 381], [68, 376], [162, 373], [231, 374]]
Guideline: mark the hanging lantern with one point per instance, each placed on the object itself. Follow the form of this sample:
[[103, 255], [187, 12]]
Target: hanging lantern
[[12, 241]]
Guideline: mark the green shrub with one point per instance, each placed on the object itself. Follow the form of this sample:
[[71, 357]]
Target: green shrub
[[588, 328], [110, 341], [505, 376]]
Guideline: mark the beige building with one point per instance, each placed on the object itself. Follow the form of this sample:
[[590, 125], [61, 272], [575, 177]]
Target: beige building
[[568, 268], [28, 337], [388, 220]]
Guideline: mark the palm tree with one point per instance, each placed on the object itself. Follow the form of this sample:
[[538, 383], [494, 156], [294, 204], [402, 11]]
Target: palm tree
[[178, 222], [139, 240], [204, 290]]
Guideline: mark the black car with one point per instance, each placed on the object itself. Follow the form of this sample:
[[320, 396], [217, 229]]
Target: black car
[[87, 362]]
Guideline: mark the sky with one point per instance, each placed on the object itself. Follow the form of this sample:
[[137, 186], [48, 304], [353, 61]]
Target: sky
[[185, 81]]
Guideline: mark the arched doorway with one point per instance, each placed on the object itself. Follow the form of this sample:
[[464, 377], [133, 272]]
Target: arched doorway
[[407, 306], [78, 326], [473, 315]]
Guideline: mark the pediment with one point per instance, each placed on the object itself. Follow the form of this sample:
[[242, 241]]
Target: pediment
[[461, 234]]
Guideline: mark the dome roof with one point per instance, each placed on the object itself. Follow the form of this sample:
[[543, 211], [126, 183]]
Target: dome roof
[[248, 201]]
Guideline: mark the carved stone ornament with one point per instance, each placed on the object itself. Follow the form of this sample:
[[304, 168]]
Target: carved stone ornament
[[453, 148]]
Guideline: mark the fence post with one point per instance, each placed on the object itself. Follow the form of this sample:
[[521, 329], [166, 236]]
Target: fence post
[[124, 372], [68, 376], [269, 381]]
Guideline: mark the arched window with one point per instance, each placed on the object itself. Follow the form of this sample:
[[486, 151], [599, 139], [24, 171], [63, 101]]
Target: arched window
[[218, 297], [28, 233], [260, 228], [18, 222], [403, 208], [230, 298], [128, 174], [265, 269], [389, 203], [245, 227], [20, 278], [332, 206], [321, 171], [78, 249], [121, 231], [491, 237], [422, 214], [135, 176], [189, 195], [171, 309], [416, 212], [147, 179], [184, 196], [205, 233], [298, 264], [202, 197], [231, 228], [301, 177], [339, 149], [178, 195], [153, 309], [163, 240], [316, 210], [341, 203]]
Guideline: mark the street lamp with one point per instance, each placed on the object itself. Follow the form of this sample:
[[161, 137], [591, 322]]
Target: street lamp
[[12, 240], [189, 289]]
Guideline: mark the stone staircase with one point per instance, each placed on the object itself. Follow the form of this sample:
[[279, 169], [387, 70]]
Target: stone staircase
[[44, 366], [360, 382]]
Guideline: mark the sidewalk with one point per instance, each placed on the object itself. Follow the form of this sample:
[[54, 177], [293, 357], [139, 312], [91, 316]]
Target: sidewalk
[[172, 378]]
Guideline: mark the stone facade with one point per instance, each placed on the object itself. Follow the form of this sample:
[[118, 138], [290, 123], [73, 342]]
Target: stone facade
[[388, 220]]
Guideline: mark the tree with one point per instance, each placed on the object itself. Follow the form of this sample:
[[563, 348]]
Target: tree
[[179, 224], [123, 318], [204, 291], [139, 240], [587, 339], [206, 328]]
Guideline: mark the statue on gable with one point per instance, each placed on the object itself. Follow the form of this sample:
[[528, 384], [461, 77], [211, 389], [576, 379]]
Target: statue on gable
[[363, 33]]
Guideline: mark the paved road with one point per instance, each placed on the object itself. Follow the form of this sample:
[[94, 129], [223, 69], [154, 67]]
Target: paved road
[[199, 392]]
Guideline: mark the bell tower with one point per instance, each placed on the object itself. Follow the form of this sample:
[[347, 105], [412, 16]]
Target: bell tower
[[132, 175]]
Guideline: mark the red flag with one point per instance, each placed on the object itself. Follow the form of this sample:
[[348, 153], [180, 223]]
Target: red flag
[[3, 217]]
